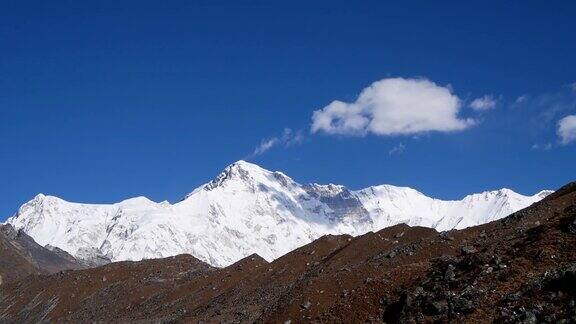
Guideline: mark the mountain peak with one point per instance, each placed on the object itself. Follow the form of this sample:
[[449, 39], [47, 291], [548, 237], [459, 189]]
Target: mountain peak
[[246, 167], [246, 209], [38, 201], [234, 170], [543, 193], [140, 200], [244, 163], [506, 192], [239, 170], [43, 198]]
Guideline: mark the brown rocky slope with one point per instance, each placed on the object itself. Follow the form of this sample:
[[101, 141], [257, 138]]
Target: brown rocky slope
[[518, 269], [21, 256]]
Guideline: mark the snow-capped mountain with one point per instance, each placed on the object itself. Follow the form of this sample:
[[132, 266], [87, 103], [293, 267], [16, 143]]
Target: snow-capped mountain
[[244, 210]]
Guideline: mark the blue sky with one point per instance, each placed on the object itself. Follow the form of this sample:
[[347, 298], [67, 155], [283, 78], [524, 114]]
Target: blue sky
[[113, 99]]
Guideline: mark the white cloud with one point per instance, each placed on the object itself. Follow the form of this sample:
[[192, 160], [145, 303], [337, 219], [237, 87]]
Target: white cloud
[[394, 106], [572, 86], [398, 149], [521, 99], [544, 147], [484, 103], [567, 129], [265, 145], [288, 138]]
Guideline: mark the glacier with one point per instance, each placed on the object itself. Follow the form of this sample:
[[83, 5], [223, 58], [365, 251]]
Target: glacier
[[247, 209]]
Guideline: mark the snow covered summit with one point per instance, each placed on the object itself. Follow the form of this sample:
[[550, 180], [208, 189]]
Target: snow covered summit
[[247, 209]]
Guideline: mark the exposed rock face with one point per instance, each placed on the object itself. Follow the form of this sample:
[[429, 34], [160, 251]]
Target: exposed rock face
[[21, 256], [517, 269], [245, 210]]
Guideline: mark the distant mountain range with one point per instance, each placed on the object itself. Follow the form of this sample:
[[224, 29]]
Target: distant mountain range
[[245, 210], [519, 269]]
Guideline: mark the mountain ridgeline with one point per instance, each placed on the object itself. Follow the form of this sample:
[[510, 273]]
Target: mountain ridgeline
[[21, 256], [245, 210], [519, 269]]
